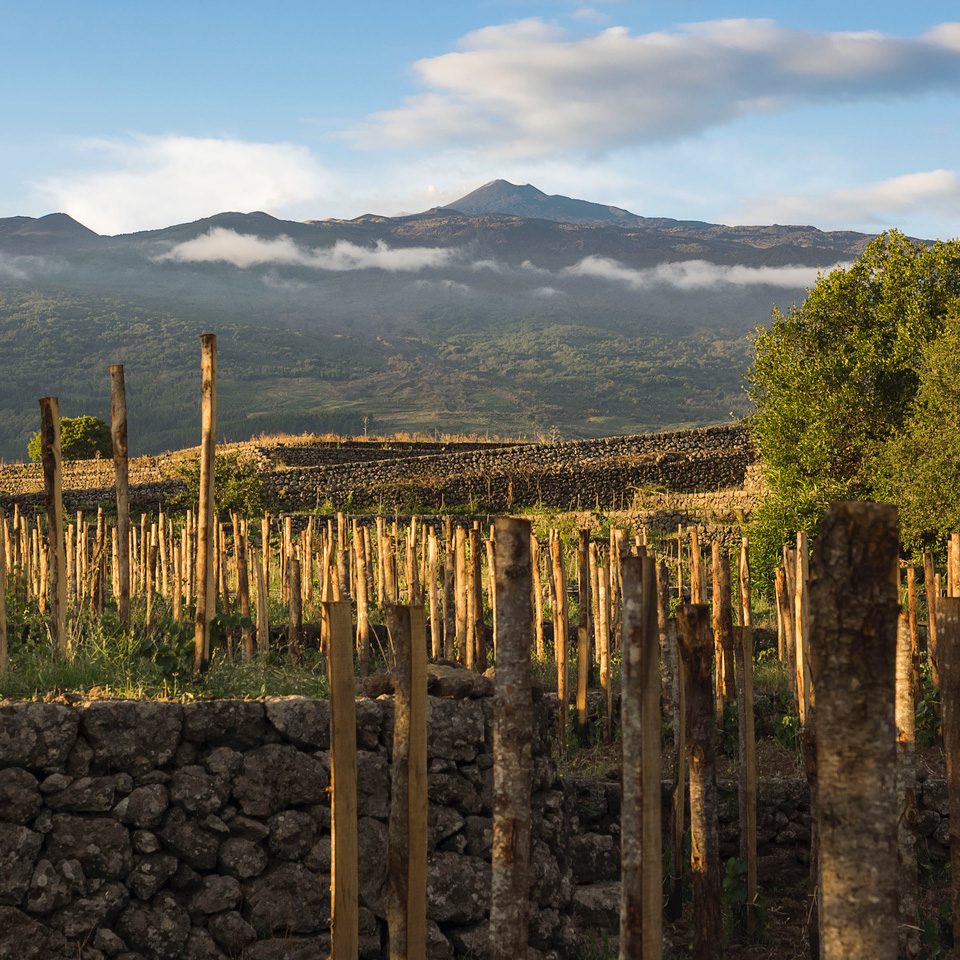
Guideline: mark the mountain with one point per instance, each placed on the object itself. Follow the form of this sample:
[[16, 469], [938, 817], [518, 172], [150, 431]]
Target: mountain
[[510, 311], [525, 200]]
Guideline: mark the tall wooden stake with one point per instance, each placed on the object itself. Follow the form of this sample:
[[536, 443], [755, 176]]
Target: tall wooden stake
[[641, 908], [118, 432], [56, 557], [344, 883], [206, 527], [696, 645], [406, 898], [512, 743], [948, 627], [853, 641]]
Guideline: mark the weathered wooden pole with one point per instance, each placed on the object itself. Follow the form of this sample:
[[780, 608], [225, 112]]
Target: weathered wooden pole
[[243, 584], [118, 433], [206, 525], [363, 609], [513, 724], [930, 588], [263, 610], [913, 625], [746, 612], [722, 631], [537, 588], [344, 869], [406, 896], [449, 594], [676, 704], [4, 542], [603, 644], [747, 767], [801, 631], [906, 720], [853, 641], [948, 626], [56, 555], [433, 556], [696, 646], [583, 632], [641, 906], [295, 605], [560, 638]]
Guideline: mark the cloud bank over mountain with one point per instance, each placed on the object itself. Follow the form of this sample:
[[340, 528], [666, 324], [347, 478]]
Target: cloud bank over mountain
[[245, 251]]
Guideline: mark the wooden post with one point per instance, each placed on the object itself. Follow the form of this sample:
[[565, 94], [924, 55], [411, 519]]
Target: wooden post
[[906, 719], [363, 613], [641, 908], [801, 631], [948, 627], [206, 526], [603, 644], [243, 583], [929, 585], [673, 668], [449, 601], [295, 603], [476, 581], [696, 645], [56, 556], [746, 613], [460, 592], [344, 882], [513, 724], [433, 556], [747, 767], [853, 641], [722, 632], [406, 896], [4, 540], [697, 593], [583, 633], [118, 432], [263, 610], [492, 592], [537, 587], [560, 638]]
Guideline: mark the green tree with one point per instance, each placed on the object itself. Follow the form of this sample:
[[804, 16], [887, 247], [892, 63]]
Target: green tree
[[919, 467], [81, 438], [834, 379]]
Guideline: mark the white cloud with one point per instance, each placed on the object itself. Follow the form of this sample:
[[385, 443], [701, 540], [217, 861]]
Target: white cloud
[[247, 250], [23, 267], [529, 87], [547, 293], [153, 181], [694, 274], [453, 286], [881, 203]]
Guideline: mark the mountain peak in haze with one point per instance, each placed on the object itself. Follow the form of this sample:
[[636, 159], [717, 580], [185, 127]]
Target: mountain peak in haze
[[525, 200], [52, 227]]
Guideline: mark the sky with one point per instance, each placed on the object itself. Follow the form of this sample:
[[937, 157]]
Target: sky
[[130, 115]]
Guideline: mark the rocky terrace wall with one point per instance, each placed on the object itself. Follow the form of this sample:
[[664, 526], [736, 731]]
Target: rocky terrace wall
[[146, 830]]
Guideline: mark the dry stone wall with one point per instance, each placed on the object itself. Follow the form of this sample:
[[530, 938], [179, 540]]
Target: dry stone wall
[[581, 474], [146, 830]]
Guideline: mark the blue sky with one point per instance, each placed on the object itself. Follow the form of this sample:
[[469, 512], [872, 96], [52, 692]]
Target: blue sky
[[131, 115]]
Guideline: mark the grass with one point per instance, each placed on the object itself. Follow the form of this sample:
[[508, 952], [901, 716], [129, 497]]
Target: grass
[[109, 662]]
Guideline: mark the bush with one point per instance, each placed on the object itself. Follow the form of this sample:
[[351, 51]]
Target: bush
[[81, 438], [238, 488]]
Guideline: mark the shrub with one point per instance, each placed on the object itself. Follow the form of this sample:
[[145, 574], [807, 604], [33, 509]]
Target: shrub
[[238, 487], [81, 438]]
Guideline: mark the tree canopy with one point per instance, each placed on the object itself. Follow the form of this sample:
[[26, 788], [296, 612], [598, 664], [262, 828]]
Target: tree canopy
[[837, 379], [81, 438]]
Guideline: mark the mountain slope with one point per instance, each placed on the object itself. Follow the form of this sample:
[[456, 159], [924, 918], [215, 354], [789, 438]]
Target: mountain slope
[[525, 200], [444, 320]]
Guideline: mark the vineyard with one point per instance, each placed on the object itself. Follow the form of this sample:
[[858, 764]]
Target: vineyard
[[284, 735]]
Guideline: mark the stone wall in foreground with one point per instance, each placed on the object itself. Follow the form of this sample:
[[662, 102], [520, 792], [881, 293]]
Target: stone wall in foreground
[[147, 830]]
